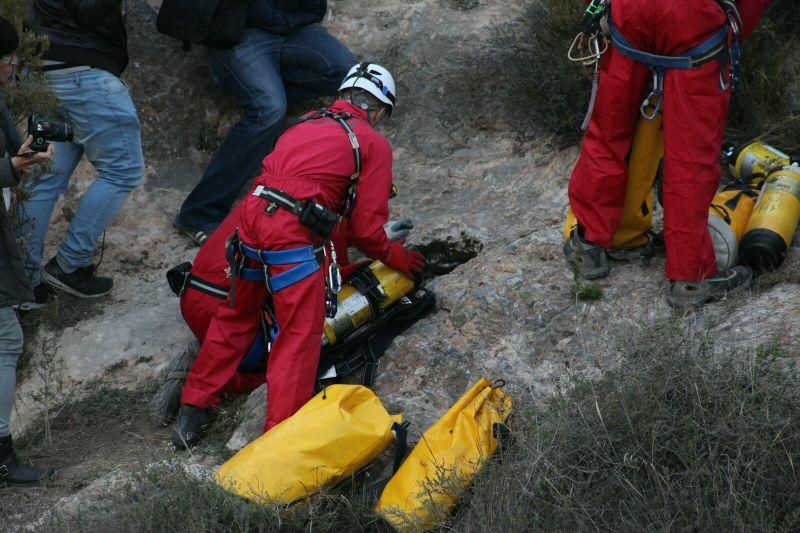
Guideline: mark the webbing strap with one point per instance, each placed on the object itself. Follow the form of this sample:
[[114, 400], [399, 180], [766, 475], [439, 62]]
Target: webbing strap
[[280, 257], [206, 287], [292, 276], [694, 57]]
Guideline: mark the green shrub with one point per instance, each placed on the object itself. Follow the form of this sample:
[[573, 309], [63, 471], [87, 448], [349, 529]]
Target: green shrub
[[678, 437]]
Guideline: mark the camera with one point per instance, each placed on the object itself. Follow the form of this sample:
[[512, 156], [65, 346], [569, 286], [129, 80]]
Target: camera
[[43, 130]]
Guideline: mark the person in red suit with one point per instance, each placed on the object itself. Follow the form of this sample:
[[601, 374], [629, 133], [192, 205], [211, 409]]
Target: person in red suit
[[694, 104], [330, 162]]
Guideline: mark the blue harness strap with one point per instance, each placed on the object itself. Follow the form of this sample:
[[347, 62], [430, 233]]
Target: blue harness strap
[[710, 49], [304, 256], [255, 358]]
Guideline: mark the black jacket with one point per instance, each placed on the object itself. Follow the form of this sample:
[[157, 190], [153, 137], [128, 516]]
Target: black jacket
[[14, 286], [82, 32], [285, 16]]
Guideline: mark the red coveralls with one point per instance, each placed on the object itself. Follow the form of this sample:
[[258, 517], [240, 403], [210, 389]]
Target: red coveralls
[[312, 160], [694, 111]]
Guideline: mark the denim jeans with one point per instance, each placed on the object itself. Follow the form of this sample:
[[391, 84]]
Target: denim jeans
[[107, 130], [262, 72], [10, 350]]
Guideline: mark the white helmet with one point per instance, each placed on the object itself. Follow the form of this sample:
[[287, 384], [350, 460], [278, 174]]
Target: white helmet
[[374, 79]]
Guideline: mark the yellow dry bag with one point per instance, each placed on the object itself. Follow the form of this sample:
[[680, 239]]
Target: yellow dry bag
[[446, 459], [338, 432], [644, 160]]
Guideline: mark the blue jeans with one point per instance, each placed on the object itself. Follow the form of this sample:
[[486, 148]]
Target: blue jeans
[[262, 72], [107, 130], [10, 350]]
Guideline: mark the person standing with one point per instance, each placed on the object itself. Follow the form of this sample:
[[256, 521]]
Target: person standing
[[15, 162], [647, 37], [87, 54], [286, 56]]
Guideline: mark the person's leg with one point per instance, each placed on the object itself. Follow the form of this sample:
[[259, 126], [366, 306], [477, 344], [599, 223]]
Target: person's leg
[[105, 123], [251, 72], [695, 112], [12, 472], [10, 350], [230, 334], [35, 212], [600, 178], [292, 364], [313, 63]]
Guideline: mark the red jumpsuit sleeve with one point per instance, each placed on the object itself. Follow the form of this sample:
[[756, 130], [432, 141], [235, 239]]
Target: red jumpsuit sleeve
[[751, 11], [371, 210]]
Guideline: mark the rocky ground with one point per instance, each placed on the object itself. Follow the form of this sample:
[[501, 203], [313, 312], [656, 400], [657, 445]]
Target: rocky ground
[[493, 192]]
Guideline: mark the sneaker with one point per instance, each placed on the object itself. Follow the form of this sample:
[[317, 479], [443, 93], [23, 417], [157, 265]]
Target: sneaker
[[43, 294], [83, 283], [190, 425], [199, 236], [589, 258], [696, 293], [166, 401]]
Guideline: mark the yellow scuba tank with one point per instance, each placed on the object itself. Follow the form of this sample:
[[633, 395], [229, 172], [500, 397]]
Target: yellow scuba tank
[[644, 160], [728, 215], [378, 286], [755, 159], [772, 225]]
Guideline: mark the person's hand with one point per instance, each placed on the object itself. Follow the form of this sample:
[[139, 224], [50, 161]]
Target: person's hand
[[25, 158], [398, 229], [406, 261]]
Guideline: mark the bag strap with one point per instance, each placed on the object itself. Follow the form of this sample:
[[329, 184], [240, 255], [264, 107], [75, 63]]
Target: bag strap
[[400, 432]]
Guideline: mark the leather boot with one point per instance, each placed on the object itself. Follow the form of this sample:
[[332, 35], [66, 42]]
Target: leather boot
[[190, 425], [12, 472]]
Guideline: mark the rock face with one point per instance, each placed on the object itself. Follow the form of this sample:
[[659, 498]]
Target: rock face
[[465, 176]]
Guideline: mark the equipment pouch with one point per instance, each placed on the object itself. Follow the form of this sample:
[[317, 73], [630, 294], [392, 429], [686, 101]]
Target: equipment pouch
[[320, 220], [178, 277]]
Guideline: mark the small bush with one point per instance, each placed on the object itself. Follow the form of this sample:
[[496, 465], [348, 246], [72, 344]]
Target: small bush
[[676, 438], [588, 291]]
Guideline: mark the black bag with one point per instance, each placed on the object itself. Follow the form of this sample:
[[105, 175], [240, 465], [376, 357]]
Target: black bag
[[216, 23]]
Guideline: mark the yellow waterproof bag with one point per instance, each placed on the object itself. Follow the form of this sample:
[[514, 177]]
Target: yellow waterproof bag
[[644, 160], [426, 487], [338, 432]]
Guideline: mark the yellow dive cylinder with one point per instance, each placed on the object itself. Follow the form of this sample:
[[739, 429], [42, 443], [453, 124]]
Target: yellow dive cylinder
[[772, 225], [728, 215], [755, 159], [644, 160], [383, 284]]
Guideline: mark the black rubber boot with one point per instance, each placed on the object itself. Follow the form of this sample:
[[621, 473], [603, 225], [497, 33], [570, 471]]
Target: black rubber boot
[[190, 425], [12, 472]]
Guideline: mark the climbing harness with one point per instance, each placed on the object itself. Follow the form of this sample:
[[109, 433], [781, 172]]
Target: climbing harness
[[724, 45], [598, 28], [706, 51]]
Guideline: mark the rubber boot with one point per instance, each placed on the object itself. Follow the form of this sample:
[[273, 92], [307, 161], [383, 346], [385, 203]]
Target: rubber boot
[[189, 426], [12, 472]]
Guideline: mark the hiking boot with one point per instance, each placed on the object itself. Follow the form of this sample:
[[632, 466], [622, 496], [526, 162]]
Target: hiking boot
[[190, 425], [696, 293], [12, 472], [83, 283], [166, 401], [199, 236], [43, 294], [589, 258]]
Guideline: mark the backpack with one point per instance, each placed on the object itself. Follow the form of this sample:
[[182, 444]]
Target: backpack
[[215, 23]]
